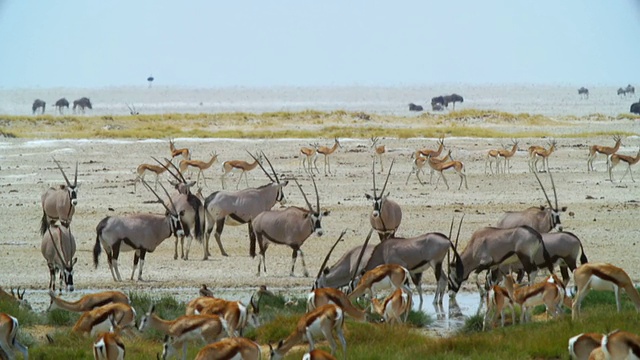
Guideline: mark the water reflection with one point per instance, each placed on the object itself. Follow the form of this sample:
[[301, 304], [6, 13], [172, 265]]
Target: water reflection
[[465, 304]]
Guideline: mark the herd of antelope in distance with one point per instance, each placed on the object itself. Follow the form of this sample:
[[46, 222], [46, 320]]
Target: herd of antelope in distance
[[522, 242]]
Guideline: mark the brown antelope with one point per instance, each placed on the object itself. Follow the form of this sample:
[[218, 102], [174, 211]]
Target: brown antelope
[[549, 292], [456, 165], [492, 155], [541, 219], [184, 152], [419, 162], [291, 226], [604, 277], [386, 215], [597, 354], [231, 348], [59, 203], [58, 248], [141, 233], [318, 354], [378, 151], [425, 153], [323, 296], [87, 302], [15, 297], [200, 165], [8, 337], [326, 151], [143, 169], [321, 321], [208, 328], [498, 299], [382, 276], [340, 273], [109, 345], [394, 306], [541, 153], [615, 159], [239, 165], [594, 150], [308, 156], [581, 346], [97, 320], [621, 345], [507, 155]]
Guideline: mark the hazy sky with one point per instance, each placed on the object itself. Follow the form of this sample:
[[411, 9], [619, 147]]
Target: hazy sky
[[91, 43]]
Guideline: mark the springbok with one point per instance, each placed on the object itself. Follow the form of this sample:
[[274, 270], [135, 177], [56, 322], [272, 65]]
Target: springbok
[[291, 226], [143, 169], [416, 254], [581, 346], [425, 153], [109, 345], [615, 159], [386, 215], [239, 165], [382, 276], [14, 297], [59, 203], [317, 354], [621, 345], [38, 104], [604, 277], [58, 247], [507, 155], [231, 348], [340, 273], [200, 165], [326, 151], [378, 151], [498, 299], [184, 152], [549, 292], [491, 247], [241, 207], [88, 302], [97, 320], [8, 337], [541, 219], [419, 163], [321, 321], [394, 306], [607, 151], [308, 156], [456, 165], [141, 233], [492, 155], [541, 153], [323, 296]]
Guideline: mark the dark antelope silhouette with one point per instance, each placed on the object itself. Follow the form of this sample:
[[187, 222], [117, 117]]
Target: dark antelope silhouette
[[62, 103], [583, 92], [635, 108], [83, 103], [453, 98], [150, 80], [630, 90], [414, 107], [37, 104]]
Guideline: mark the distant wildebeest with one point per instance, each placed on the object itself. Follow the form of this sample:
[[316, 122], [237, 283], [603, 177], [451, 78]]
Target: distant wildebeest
[[635, 108], [62, 103], [583, 92], [414, 107], [437, 107], [622, 91], [630, 90], [453, 98], [38, 104], [83, 103], [438, 100]]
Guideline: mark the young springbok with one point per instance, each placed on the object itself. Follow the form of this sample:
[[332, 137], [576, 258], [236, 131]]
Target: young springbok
[[8, 333]]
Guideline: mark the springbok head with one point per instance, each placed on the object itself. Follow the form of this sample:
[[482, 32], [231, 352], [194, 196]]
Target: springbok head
[[274, 180], [378, 199], [314, 215], [555, 211], [72, 189], [174, 215], [66, 272]]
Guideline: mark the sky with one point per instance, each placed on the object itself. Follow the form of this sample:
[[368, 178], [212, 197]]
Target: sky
[[245, 43]]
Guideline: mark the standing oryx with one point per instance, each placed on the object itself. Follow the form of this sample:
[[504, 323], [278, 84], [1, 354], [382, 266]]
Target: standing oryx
[[291, 226], [59, 203], [58, 248], [241, 207], [141, 233], [386, 215], [417, 254], [541, 219]]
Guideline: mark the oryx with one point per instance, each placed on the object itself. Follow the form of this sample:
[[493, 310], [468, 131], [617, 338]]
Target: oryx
[[59, 203], [291, 226], [240, 207], [141, 233], [541, 219], [386, 215], [339, 274], [417, 254], [491, 247], [59, 247]]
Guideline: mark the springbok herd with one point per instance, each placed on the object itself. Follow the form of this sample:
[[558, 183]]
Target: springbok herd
[[290, 201]]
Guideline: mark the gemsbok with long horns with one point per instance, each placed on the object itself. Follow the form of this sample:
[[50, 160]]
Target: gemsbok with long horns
[[59, 248], [386, 215], [607, 151], [59, 203], [141, 233], [339, 274], [8, 337], [241, 207], [88, 302], [291, 226]]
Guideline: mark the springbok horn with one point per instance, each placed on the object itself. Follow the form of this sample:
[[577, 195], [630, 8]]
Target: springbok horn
[[303, 195], [542, 187], [387, 180], [55, 246], [63, 174], [261, 167], [364, 247], [326, 258], [275, 174], [21, 296]]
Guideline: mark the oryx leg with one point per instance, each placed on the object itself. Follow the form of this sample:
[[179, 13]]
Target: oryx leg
[[219, 228], [175, 248], [263, 249], [52, 276], [441, 281], [138, 256], [112, 259]]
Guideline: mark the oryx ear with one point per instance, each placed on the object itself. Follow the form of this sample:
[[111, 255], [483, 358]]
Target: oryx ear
[[74, 261], [326, 213], [285, 183], [564, 208], [190, 184], [389, 193], [369, 197], [542, 207], [181, 213], [326, 271]]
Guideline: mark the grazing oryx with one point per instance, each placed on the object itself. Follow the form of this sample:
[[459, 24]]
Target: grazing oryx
[[341, 272], [8, 337], [241, 207], [581, 346], [541, 219], [621, 345], [321, 321], [58, 248], [629, 160], [291, 226], [416, 255], [14, 297], [59, 203], [607, 151], [386, 215], [87, 302], [326, 151], [231, 348], [141, 233], [491, 247], [604, 277]]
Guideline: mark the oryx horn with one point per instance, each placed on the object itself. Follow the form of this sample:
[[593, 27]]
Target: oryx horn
[[56, 246], [75, 180], [373, 171], [303, 194], [544, 191], [174, 211], [262, 167], [326, 258], [366, 242], [450, 233], [180, 178], [384, 187], [275, 174]]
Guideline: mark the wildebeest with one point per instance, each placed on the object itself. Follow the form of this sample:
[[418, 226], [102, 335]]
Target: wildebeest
[[453, 98], [37, 104], [630, 90], [414, 107], [583, 92], [83, 103], [438, 100], [635, 108], [622, 91], [62, 103]]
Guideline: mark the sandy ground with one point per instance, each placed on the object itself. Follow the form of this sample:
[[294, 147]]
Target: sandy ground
[[604, 213]]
